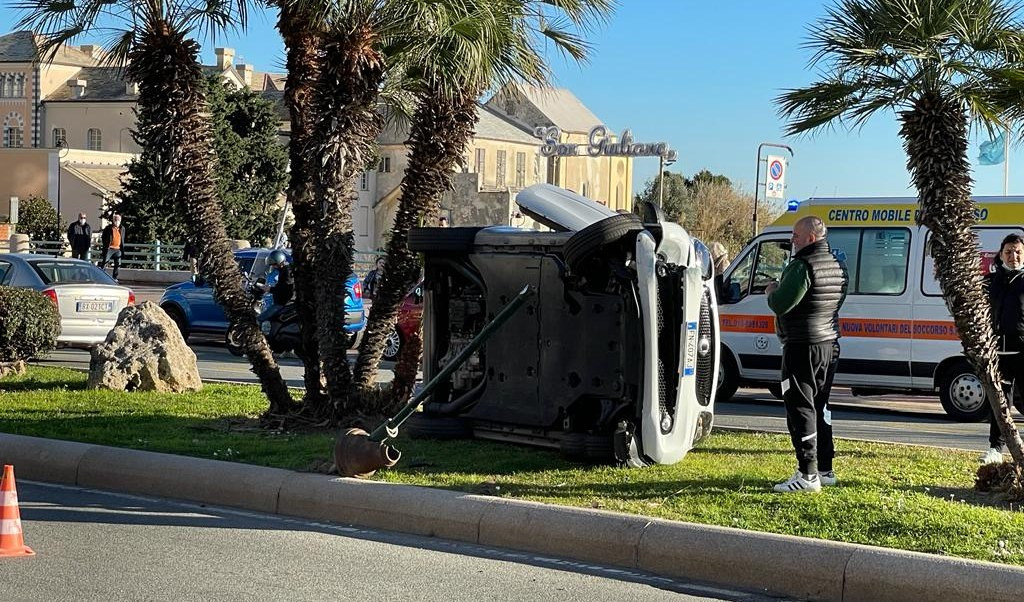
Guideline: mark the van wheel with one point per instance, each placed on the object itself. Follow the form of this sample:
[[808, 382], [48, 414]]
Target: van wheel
[[962, 394], [598, 235], [775, 389], [423, 426], [728, 378]]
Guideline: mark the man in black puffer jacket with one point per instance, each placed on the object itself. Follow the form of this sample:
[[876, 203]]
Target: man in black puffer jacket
[[1006, 293], [806, 302]]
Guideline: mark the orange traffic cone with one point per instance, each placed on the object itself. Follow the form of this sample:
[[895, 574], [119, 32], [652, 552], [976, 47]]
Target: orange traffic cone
[[11, 541]]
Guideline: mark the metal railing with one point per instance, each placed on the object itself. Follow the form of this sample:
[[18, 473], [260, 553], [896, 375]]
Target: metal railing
[[159, 255]]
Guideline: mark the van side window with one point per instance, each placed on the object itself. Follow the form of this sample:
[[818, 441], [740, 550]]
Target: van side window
[[772, 256], [883, 261], [845, 245], [988, 244], [738, 285]]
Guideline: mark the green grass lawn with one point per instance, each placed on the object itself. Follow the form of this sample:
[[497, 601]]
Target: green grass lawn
[[914, 498]]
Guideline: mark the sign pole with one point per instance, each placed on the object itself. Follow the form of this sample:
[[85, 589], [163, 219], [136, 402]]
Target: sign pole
[[757, 177]]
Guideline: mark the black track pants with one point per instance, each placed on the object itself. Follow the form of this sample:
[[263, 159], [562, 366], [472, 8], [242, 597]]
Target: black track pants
[[1012, 367], [807, 373]]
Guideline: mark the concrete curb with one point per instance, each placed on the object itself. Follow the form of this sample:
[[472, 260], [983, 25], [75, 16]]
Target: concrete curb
[[779, 564]]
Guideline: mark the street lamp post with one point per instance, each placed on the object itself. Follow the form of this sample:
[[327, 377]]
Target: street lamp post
[[664, 160], [62, 151], [757, 178]]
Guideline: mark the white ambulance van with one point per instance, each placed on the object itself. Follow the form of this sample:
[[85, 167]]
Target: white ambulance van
[[897, 335]]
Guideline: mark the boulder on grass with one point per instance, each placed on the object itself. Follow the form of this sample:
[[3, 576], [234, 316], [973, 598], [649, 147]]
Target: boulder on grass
[[144, 352]]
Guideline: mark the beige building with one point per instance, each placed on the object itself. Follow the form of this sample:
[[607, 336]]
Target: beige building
[[608, 180], [503, 158], [70, 122], [67, 123]]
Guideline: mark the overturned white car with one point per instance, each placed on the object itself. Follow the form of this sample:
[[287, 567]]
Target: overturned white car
[[616, 357]]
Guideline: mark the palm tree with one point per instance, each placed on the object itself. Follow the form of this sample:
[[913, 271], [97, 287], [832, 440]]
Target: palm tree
[[505, 48], [301, 33], [942, 65], [154, 46]]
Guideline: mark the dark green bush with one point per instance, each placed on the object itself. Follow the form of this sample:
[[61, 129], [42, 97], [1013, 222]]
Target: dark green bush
[[29, 324]]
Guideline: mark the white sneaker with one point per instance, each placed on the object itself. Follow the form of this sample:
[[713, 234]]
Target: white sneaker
[[992, 456], [799, 483], [828, 479]]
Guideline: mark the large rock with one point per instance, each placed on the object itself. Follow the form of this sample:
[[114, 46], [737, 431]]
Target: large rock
[[144, 352]]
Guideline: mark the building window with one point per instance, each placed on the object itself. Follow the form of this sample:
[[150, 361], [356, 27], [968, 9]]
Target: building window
[[13, 131], [13, 136], [586, 190], [364, 181], [94, 140], [60, 136], [481, 162], [520, 170], [536, 168], [19, 86], [499, 165], [385, 165]]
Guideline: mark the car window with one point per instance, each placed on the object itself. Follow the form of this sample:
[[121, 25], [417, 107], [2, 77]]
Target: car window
[[245, 264], [70, 272], [772, 256], [5, 270]]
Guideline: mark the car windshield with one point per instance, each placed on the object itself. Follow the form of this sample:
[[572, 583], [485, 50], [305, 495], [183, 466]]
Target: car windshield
[[70, 272]]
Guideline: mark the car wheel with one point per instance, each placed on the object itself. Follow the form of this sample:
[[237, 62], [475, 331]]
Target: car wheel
[[178, 316], [392, 346], [233, 344], [421, 426], [598, 235], [456, 240], [962, 394], [573, 445], [728, 378]]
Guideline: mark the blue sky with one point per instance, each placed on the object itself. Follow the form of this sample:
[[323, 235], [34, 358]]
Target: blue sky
[[702, 76]]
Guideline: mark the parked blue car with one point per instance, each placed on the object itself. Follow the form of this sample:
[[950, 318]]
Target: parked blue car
[[191, 304]]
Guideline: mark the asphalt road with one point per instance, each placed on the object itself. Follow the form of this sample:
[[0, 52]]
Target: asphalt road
[[94, 545]]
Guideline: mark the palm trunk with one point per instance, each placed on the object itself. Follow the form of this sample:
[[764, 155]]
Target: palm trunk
[[303, 70], [935, 138], [441, 129], [347, 125], [169, 75]]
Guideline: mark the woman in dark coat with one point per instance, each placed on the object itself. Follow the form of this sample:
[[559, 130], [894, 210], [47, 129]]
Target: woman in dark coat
[[1006, 293]]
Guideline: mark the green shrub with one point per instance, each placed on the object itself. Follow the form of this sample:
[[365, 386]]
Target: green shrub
[[29, 324]]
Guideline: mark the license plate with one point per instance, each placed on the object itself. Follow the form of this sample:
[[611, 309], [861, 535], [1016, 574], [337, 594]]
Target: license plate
[[95, 306]]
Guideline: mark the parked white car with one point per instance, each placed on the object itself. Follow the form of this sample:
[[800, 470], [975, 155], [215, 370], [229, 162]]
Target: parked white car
[[88, 300]]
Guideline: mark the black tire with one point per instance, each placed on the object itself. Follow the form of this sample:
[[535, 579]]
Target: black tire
[[775, 389], [421, 426], [453, 240], [573, 445], [961, 394], [233, 347], [728, 377], [175, 313], [600, 448], [596, 236], [392, 346]]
